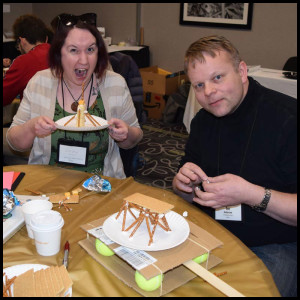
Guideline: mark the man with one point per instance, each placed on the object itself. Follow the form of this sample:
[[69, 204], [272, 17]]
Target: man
[[31, 35], [240, 163]]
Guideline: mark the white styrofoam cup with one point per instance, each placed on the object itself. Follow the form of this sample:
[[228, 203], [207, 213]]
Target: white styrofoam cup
[[46, 227], [30, 208]]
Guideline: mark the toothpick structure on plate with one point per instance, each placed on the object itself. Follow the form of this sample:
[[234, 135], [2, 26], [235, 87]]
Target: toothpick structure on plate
[[151, 210]]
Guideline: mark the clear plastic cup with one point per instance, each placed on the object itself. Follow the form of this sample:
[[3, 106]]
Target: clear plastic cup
[[46, 227], [32, 207]]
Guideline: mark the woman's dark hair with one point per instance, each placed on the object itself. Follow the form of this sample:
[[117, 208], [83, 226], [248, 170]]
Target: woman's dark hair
[[59, 40]]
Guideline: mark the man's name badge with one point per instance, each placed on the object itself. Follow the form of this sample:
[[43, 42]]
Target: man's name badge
[[229, 213], [72, 152]]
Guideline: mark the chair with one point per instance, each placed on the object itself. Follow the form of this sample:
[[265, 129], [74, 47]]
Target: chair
[[291, 64]]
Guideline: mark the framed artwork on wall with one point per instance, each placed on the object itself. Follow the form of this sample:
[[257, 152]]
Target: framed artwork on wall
[[227, 15]]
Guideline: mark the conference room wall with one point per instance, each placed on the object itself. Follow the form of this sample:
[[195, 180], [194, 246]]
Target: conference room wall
[[272, 39]]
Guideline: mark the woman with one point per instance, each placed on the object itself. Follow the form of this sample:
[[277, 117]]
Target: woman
[[77, 55]]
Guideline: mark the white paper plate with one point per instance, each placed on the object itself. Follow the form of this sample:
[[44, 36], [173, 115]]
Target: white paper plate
[[88, 124], [162, 239], [20, 269]]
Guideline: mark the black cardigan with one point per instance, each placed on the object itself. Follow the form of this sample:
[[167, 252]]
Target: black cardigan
[[270, 161]]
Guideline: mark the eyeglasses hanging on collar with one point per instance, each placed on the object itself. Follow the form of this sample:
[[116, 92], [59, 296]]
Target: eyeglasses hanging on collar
[[71, 20], [17, 45]]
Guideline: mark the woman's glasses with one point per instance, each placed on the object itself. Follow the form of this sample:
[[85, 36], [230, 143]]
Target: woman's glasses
[[71, 20]]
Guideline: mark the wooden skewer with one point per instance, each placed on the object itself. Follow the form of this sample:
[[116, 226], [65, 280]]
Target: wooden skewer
[[69, 120]]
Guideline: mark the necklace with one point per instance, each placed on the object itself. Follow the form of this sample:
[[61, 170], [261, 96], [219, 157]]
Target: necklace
[[74, 105], [62, 91]]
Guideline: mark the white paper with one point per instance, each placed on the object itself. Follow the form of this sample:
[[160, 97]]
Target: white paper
[[229, 213], [72, 154]]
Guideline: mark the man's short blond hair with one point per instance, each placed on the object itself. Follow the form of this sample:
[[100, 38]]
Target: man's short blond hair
[[210, 45]]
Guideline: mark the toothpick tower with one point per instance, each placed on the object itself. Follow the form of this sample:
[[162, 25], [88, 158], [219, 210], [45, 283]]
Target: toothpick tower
[[151, 210], [81, 109]]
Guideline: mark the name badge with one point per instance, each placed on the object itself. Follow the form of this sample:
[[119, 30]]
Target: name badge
[[72, 152], [229, 213]]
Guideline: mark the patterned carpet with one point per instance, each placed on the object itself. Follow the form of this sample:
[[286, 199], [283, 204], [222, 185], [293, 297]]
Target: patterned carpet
[[160, 152]]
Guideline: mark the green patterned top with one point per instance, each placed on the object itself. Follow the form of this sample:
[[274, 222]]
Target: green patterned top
[[98, 140]]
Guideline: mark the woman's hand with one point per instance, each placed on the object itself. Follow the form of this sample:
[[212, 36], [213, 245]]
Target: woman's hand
[[118, 129], [126, 136], [43, 126], [22, 136]]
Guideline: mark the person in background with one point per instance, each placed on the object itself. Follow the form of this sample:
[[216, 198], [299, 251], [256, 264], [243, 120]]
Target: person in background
[[78, 64], [31, 35], [240, 162], [125, 65]]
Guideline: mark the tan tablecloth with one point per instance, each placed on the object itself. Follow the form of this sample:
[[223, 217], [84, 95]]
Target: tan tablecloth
[[245, 272]]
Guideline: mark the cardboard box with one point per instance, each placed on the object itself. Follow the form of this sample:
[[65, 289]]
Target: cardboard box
[[158, 84], [154, 104], [160, 81], [169, 262]]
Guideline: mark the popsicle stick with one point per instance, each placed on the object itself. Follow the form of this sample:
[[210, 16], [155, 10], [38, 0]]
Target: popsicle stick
[[212, 279]]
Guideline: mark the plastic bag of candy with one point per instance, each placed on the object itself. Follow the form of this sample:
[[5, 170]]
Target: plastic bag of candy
[[9, 202], [98, 184]]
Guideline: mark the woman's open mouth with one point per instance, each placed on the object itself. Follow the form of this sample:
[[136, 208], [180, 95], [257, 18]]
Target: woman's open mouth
[[80, 73]]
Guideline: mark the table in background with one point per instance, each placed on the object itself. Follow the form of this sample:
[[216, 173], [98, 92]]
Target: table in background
[[275, 80], [272, 79], [245, 272]]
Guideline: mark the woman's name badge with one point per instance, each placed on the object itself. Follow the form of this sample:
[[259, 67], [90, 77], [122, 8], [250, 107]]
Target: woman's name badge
[[72, 152], [229, 213]]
